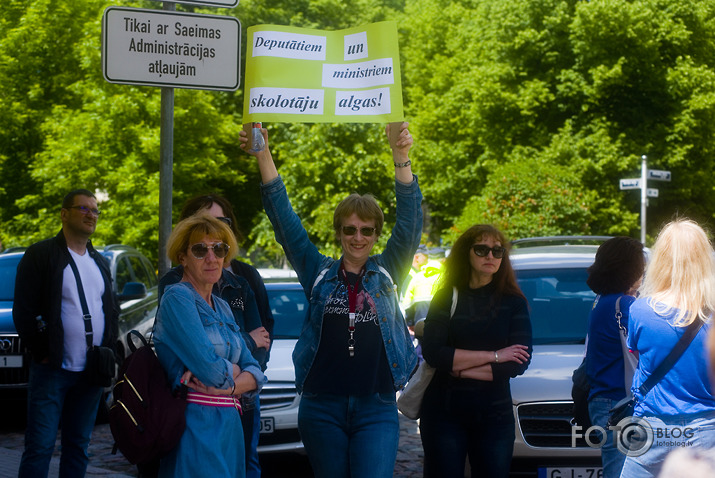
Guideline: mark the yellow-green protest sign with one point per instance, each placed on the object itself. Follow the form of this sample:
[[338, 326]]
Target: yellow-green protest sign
[[318, 76]]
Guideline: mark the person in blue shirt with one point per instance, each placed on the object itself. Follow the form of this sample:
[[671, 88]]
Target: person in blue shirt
[[614, 276], [199, 344], [678, 290], [354, 351]]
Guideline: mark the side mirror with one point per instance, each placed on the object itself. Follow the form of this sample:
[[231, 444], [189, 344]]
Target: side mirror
[[132, 291], [420, 328]]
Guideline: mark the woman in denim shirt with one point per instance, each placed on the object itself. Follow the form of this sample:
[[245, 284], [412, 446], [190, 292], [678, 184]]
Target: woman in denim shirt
[[242, 287], [355, 350], [199, 345]]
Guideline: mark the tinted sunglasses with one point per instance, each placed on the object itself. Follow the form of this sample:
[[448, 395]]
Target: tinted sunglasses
[[200, 250], [352, 230], [225, 220], [482, 250]]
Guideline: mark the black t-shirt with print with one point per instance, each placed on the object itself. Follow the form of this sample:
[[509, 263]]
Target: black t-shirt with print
[[333, 370]]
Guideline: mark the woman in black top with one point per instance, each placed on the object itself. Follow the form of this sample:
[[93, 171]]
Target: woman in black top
[[467, 410]]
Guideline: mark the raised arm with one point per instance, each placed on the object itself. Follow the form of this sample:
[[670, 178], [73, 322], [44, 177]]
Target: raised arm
[[265, 161], [400, 142]]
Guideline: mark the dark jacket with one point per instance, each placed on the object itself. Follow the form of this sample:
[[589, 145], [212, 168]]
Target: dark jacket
[[38, 293]]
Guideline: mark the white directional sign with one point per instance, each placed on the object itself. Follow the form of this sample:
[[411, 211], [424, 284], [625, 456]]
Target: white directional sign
[[634, 183], [651, 193], [658, 175], [164, 48], [208, 3]]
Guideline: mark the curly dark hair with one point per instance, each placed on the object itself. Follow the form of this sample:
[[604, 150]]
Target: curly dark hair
[[458, 270], [619, 264]]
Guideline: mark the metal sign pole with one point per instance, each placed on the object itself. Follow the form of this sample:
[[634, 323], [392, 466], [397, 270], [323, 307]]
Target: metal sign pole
[[166, 169], [644, 198]]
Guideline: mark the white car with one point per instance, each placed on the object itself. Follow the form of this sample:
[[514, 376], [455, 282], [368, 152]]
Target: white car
[[279, 399]]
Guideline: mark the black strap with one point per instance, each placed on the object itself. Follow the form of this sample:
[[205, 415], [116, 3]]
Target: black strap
[[88, 333], [672, 357]]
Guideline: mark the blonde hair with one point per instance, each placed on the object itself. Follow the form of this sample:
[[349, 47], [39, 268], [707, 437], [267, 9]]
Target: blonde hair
[[681, 273], [193, 229]]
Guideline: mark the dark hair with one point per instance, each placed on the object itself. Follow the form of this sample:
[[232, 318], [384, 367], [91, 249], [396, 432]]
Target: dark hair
[[619, 264], [205, 201], [366, 208], [68, 201], [458, 269]]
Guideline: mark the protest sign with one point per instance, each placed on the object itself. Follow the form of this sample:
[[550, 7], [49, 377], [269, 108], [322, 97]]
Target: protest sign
[[318, 76]]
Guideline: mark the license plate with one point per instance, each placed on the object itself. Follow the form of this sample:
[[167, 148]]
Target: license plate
[[10, 361], [267, 425], [566, 472]]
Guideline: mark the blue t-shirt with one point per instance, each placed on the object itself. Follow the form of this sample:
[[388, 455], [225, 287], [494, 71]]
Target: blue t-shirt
[[686, 389], [604, 356]]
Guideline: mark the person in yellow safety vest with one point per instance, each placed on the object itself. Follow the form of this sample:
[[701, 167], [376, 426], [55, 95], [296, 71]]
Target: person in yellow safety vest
[[418, 294]]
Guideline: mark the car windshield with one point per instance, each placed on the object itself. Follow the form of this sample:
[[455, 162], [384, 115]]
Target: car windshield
[[289, 307], [559, 301], [8, 270]]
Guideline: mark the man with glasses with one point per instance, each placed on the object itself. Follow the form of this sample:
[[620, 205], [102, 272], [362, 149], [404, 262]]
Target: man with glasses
[[50, 319]]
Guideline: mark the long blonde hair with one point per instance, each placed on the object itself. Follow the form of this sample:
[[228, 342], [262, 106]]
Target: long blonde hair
[[681, 273]]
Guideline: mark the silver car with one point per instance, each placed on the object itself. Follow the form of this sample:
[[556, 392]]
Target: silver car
[[553, 278]]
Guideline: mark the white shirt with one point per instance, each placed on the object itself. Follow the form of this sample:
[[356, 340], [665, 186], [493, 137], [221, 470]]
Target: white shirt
[[75, 345]]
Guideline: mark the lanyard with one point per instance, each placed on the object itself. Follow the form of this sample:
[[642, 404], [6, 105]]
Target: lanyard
[[352, 304]]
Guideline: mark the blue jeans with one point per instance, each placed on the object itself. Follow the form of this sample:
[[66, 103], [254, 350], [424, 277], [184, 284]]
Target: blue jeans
[[669, 434], [452, 432], [54, 398], [349, 436], [611, 457]]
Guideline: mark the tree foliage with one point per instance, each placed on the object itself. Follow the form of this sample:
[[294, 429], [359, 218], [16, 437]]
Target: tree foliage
[[587, 87], [526, 113]]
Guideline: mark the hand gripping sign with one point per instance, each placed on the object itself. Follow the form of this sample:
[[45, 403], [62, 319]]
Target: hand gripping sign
[[318, 76]]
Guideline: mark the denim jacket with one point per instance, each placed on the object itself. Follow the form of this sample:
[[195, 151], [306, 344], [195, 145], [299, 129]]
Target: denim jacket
[[190, 335], [235, 290], [318, 274]]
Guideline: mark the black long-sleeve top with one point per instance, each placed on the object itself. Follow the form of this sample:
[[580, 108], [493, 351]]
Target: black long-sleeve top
[[481, 321]]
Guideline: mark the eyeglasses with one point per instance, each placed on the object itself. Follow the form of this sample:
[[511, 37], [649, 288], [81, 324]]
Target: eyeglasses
[[201, 250], [226, 220], [352, 230], [86, 210], [482, 250]]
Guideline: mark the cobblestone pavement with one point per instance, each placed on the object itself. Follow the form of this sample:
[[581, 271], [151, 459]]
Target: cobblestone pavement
[[106, 465]]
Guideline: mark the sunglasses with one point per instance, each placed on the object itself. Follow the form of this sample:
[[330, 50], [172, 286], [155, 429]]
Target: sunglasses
[[352, 230], [482, 250], [201, 250], [225, 220]]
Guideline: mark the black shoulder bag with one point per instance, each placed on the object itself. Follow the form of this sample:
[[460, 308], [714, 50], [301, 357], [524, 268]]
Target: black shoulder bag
[[100, 360], [625, 407]]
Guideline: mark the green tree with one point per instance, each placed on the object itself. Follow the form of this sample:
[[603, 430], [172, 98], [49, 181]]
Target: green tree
[[585, 86]]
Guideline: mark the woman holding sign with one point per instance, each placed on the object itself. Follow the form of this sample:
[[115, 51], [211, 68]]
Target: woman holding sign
[[355, 350]]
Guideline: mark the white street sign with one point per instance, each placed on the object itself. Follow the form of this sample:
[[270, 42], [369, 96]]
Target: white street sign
[[208, 3], [658, 175], [651, 193], [166, 48], [634, 183]]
